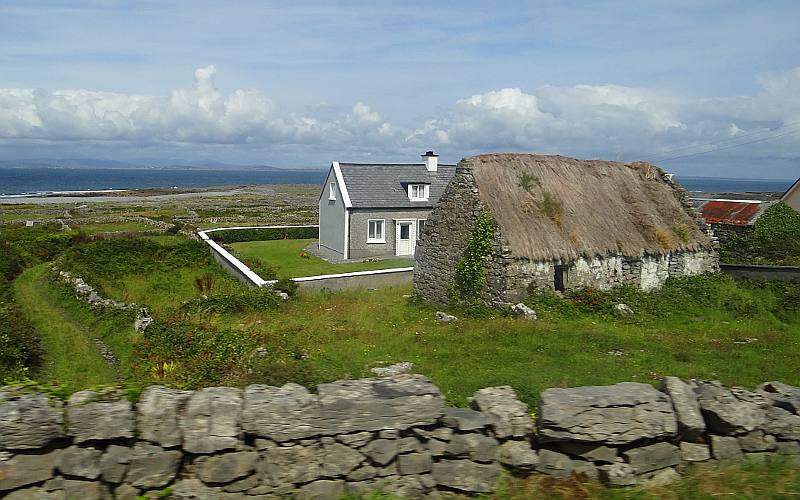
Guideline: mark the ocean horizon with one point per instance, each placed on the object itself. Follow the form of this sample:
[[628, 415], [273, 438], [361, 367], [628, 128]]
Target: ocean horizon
[[40, 180]]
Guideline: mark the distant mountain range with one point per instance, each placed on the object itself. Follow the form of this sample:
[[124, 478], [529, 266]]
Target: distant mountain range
[[93, 164]]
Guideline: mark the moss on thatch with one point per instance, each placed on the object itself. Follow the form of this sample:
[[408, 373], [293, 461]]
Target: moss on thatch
[[604, 207]]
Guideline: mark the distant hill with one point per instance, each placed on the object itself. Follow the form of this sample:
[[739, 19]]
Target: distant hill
[[92, 164]]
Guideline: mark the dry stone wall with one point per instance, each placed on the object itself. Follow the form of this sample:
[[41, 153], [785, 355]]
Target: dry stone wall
[[392, 434]]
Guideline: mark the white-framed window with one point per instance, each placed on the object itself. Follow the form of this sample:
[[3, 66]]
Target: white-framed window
[[418, 192], [376, 231], [332, 191]]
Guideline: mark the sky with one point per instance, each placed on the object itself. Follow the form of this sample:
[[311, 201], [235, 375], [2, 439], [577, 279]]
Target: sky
[[700, 87]]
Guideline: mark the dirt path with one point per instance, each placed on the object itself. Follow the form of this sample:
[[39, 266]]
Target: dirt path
[[73, 358]]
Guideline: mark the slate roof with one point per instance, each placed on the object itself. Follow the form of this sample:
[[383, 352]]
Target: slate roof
[[386, 185]]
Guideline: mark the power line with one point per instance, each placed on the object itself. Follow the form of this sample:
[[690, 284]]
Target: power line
[[763, 139], [731, 139]]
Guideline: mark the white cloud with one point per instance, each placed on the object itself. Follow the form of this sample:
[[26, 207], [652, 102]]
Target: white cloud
[[608, 121]]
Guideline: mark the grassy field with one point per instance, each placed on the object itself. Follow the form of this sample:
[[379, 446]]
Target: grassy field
[[328, 336], [71, 360], [283, 256], [113, 227]]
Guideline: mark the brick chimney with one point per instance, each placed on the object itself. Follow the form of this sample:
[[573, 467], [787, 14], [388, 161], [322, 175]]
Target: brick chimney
[[431, 161]]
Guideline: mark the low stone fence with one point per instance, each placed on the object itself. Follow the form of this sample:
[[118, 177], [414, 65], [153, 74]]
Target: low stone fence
[[775, 273], [393, 434], [341, 281]]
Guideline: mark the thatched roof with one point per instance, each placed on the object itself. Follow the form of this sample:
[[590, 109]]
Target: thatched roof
[[574, 208]]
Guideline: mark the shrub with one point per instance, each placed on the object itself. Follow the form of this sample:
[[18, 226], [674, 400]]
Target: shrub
[[776, 233], [259, 299], [470, 271], [286, 285], [293, 233]]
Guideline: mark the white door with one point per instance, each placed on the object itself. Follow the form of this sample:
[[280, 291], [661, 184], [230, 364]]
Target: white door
[[405, 237]]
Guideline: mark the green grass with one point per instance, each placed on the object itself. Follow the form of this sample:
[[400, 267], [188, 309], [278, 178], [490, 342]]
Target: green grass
[[71, 359], [113, 227], [283, 256], [776, 478], [344, 334]]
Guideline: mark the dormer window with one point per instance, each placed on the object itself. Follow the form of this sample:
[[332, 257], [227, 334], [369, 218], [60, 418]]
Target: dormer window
[[332, 191], [418, 192]]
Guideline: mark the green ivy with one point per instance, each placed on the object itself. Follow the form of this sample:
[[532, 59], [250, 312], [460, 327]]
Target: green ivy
[[776, 233], [471, 269]]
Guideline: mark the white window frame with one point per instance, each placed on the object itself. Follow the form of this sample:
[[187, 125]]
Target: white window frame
[[382, 239], [425, 192], [332, 191]]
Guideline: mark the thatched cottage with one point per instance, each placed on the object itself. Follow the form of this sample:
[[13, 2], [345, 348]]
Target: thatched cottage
[[561, 224]]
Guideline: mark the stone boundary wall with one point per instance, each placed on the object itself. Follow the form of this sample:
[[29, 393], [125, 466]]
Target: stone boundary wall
[[776, 273], [342, 281], [157, 224], [391, 434]]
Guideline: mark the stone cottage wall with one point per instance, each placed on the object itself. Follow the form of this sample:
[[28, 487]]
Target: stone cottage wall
[[444, 237], [394, 434]]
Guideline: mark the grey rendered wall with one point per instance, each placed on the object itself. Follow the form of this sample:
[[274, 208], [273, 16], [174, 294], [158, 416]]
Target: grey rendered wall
[[360, 249], [331, 217]]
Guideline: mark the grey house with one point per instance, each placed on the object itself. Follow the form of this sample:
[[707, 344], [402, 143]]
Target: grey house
[[378, 210]]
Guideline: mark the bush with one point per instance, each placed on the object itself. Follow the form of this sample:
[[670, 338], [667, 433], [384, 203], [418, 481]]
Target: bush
[[293, 233], [286, 285], [259, 299], [777, 233]]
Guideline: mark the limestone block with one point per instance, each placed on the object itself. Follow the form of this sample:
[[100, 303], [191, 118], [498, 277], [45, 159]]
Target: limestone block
[[381, 451], [210, 421], [782, 395], [158, 415], [554, 463], [151, 466], [653, 457], [466, 475], [782, 424], [35, 493], [290, 464], [356, 440], [614, 414], [86, 490], [21, 470], [125, 492], [414, 463], [348, 406], [695, 452], [730, 411], [586, 469], [114, 463], [687, 410], [518, 455], [80, 462], [339, 460], [225, 468], [409, 444], [788, 448], [321, 490], [590, 451], [661, 478], [725, 448], [617, 474], [28, 421], [508, 416], [244, 484], [363, 473], [757, 441], [95, 416], [478, 447], [412, 486]]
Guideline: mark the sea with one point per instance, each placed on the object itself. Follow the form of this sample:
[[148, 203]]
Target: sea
[[39, 180], [30, 180]]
